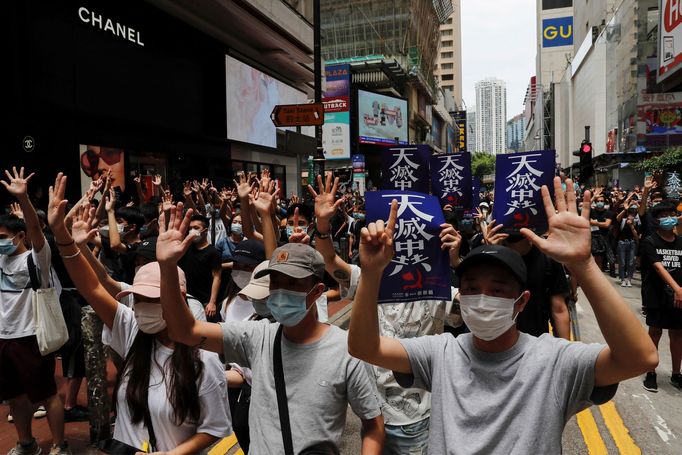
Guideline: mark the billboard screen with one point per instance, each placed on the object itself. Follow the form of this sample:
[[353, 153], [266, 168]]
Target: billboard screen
[[557, 32], [251, 97], [381, 119], [461, 122], [554, 4], [336, 128], [97, 160], [669, 38]]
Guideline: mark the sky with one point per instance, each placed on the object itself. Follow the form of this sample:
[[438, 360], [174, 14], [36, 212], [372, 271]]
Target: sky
[[498, 39]]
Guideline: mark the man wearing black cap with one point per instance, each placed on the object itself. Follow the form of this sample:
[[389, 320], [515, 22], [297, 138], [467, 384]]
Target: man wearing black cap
[[321, 378], [492, 389]]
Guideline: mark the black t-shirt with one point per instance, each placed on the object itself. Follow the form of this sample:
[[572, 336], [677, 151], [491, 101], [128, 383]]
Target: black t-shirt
[[655, 291], [625, 232], [198, 266], [601, 216], [648, 224], [546, 278]]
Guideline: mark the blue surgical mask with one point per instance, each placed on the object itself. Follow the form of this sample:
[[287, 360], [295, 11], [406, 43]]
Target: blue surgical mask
[[668, 223], [600, 205], [290, 231], [236, 228], [288, 307], [261, 307], [7, 246]]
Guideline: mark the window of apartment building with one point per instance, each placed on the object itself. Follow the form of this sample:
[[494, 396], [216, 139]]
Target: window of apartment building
[[449, 87], [446, 32], [449, 21], [447, 66], [446, 55], [447, 43], [447, 77]]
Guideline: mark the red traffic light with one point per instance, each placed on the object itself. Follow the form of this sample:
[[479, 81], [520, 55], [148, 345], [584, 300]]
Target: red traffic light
[[586, 147]]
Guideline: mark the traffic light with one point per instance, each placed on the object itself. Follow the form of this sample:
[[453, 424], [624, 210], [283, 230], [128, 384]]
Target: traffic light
[[585, 155]]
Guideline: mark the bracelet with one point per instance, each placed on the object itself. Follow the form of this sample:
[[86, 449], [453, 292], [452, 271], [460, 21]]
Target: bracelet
[[322, 236], [71, 256], [65, 244]]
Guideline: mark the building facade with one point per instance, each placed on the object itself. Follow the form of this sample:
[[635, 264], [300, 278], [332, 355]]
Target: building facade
[[472, 145], [491, 115], [515, 132], [448, 69]]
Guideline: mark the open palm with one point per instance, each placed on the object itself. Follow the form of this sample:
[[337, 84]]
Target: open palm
[[173, 241], [18, 184], [326, 204], [376, 242]]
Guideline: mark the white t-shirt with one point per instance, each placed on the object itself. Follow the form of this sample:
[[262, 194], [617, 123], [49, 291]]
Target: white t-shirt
[[402, 406], [215, 417], [220, 230], [16, 309]]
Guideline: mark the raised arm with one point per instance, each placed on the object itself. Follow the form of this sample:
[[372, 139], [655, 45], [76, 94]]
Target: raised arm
[[79, 270], [244, 188], [18, 187], [364, 340], [171, 245], [630, 351], [325, 208], [262, 200], [649, 184]]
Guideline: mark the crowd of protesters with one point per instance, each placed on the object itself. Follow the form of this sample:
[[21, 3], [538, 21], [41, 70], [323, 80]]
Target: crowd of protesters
[[214, 303]]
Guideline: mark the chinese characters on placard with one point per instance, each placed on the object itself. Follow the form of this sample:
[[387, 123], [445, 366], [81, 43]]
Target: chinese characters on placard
[[673, 185], [522, 184], [450, 176], [403, 169]]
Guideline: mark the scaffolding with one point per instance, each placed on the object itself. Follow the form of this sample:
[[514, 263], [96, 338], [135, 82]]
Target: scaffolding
[[407, 30]]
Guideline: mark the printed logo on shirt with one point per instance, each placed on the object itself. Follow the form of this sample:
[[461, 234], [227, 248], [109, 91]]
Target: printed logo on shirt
[[670, 258]]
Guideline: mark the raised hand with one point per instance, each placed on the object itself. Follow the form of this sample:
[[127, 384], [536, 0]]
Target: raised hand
[[17, 184], [493, 236], [263, 199], [56, 206], [450, 239], [569, 239], [84, 229], [157, 180], [376, 242], [326, 204], [137, 179], [187, 190], [299, 235], [110, 205], [173, 241], [204, 184], [649, 183], [243, 186], [15, 209]]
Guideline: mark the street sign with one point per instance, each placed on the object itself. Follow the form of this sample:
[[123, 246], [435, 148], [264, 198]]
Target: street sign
[[298, 114]]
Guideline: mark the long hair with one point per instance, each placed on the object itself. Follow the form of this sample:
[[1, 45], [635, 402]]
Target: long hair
[[185, 371]]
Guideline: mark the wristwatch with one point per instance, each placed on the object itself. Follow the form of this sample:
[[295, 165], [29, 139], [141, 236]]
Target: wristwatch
[[322, 236]]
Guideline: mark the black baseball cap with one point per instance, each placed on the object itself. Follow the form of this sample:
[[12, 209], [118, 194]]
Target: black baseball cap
[[147, 248], [250, 252], [495, 254]]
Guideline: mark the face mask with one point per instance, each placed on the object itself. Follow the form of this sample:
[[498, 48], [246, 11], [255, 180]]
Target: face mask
[[236, 229], [149, 317], [487, 317], [600, 205], [668, 223], [197, 235], [290, 231], [144, 230], [288, 307], [104, 231], [120, 228], [241, 278], [261, 307], [7, 246]]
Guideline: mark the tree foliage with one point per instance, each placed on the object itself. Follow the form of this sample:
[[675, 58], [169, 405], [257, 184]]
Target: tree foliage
[[482, 164], [669, 160]]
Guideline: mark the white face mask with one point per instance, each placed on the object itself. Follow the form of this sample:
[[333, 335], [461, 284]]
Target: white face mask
[[261, 307], [149, 317], [487, 317], [241, 278]]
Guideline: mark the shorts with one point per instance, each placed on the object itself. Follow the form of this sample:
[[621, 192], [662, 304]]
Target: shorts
[[23, 370], [664, 318]]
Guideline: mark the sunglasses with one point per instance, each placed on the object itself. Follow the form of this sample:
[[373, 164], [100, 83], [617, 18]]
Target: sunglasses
[[90, 159]]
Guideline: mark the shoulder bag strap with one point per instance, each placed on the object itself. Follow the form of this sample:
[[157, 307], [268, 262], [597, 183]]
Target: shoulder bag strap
[[150, 429], [280, 388], [33, 273]]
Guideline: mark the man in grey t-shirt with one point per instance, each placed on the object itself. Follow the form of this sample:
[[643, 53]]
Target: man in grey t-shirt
[[492, 389]]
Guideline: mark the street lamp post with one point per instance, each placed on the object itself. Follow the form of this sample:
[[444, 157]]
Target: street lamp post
[[319, 159]]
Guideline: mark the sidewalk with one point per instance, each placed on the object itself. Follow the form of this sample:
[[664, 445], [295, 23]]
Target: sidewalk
[[78, 433]]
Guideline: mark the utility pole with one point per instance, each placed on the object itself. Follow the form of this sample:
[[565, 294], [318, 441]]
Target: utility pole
[[317, 69]]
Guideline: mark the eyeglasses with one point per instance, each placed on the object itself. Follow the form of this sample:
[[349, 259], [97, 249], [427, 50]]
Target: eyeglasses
[[90, 159]]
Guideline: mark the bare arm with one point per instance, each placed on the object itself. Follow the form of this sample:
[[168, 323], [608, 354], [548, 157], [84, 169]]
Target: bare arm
[[171, 245], [373, 436], [262, 200], [562, 322], [18, 187], [194, 444], [630, 351]]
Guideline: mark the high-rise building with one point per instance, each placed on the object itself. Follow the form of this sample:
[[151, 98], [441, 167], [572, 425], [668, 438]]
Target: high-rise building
[[491, 115], [448, 70], [471, 130], [515, 131]]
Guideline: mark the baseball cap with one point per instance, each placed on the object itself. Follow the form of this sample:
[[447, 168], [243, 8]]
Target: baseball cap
[[295, 260], [496, 254], [147, 282], [147, 248], [258, 288], [251, 252]]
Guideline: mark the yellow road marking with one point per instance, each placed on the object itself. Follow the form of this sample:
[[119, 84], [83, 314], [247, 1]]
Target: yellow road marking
[[588, 427], [621, 435]]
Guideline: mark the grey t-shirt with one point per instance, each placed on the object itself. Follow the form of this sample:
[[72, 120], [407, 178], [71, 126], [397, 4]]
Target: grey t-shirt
[[512, 402], [321, 380]]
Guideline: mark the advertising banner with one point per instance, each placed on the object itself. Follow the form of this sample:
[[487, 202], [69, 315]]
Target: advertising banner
[[451, 139], [451, 179], [382, 119], [557, 32], [669, 38], [336, 128], [95, 160], [518, 179], [420, 270], [659, 120], [406, 168], [461, 122]]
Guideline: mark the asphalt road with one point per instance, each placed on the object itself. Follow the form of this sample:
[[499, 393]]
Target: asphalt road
[[634, 422]]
